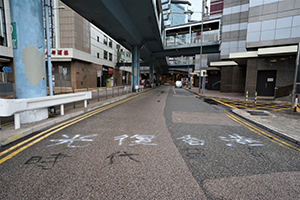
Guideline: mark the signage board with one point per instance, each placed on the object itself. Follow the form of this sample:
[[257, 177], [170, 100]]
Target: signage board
[[98, 73], [60, 69], [6, 69], [64, 71], [14, 35]]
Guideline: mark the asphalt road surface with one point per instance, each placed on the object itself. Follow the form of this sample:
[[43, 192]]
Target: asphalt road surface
[[162, 144]]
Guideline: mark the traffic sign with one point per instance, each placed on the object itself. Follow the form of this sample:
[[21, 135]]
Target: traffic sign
[[7, 69]]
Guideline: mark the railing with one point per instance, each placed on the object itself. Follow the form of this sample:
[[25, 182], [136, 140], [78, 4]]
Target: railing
[[192, 39], [181, 61], [98, 94], [14, 107]]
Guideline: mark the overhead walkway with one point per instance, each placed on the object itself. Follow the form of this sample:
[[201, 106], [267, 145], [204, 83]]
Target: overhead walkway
[[138, 26]]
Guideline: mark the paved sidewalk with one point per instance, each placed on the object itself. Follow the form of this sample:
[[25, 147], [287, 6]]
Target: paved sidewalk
[[284, 125]]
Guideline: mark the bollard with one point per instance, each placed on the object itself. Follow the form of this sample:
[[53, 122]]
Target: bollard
[[113, 91], [74, 102], [98, 93], [255, 99], [106, 92], [246, 98], [296, 103]]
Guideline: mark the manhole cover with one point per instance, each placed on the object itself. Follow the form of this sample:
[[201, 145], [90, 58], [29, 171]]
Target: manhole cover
[[255, 112]]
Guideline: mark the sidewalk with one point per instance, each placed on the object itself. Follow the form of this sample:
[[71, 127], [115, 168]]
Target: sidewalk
[[281, 124]]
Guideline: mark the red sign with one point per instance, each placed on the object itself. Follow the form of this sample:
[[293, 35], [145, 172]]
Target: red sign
[[110, 70], [59, 52]]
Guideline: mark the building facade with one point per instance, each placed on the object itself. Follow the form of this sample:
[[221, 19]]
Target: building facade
[[259, 46], [87, 54]]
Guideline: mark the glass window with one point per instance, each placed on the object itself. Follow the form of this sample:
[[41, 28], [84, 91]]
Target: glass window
[[105, 40], [105, 54], [110, 56], [98, 55], [110, 43], [98, 39]]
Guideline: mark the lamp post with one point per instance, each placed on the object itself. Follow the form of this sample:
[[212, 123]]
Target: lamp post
[[202, 15], [47, 5]]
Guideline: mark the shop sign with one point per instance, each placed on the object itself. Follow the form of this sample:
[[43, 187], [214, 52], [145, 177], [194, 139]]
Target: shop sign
[[14, 35], [104, 69], [110, 70], [59, 52]]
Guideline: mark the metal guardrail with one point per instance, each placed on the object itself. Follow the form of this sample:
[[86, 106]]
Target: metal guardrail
[[9, 107]]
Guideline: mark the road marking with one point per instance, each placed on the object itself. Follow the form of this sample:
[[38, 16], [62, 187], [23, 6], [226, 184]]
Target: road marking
[[57, 128], [174, 90], [224, 103], [262, 133]]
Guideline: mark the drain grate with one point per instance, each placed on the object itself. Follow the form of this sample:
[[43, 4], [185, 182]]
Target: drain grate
[[256, 112]]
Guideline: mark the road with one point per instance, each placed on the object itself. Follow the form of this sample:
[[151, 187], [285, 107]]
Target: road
[[162, 144]]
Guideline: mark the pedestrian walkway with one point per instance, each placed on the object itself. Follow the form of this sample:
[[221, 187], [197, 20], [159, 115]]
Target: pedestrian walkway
[[285, 125]]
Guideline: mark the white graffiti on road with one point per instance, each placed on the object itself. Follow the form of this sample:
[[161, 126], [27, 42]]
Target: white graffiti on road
[[121, 138], [191, 140], [241, 140], [141, 139], [70, 141]]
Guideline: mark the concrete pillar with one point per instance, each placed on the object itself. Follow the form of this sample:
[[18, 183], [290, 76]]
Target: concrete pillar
[[157, 75], [151, 73], [29, 54], [135, 77]]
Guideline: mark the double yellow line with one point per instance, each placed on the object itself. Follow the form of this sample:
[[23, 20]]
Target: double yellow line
[[36, 138], [262, 133]]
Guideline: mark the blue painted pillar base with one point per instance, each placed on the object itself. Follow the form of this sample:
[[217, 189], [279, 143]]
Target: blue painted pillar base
[[29, 54], [135, 80]]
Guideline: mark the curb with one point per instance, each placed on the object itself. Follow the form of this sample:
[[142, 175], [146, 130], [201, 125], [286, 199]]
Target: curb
[[271, 129]]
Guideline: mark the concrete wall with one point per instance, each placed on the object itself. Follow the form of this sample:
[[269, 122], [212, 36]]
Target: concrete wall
[[285, 66], [74, 30], [273, 22], [234, 27], [233, 79]]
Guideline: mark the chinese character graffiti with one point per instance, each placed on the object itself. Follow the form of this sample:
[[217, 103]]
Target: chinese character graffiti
[[47, 163], [140, 139], [240, 140], [191, 140], [70, 141]]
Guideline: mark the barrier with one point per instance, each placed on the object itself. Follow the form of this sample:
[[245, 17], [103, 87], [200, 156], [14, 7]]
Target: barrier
[[139, 87], [9, 107]]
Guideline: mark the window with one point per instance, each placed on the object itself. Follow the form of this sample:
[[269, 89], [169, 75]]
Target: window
[[110, 56], [105, 54], [110, 43], [105, 40], [98, 39], [98, 55]]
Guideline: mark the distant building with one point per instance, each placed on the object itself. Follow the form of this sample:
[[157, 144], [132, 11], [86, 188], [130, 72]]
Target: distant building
[[176, 12]]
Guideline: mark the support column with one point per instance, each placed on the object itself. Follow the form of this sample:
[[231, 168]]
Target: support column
[[157, 75], [135, 77], [29, 54], [151, 73]]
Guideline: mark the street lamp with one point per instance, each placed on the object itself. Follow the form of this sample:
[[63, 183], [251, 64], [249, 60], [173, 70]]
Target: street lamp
[[202, 15], [47, 6]]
